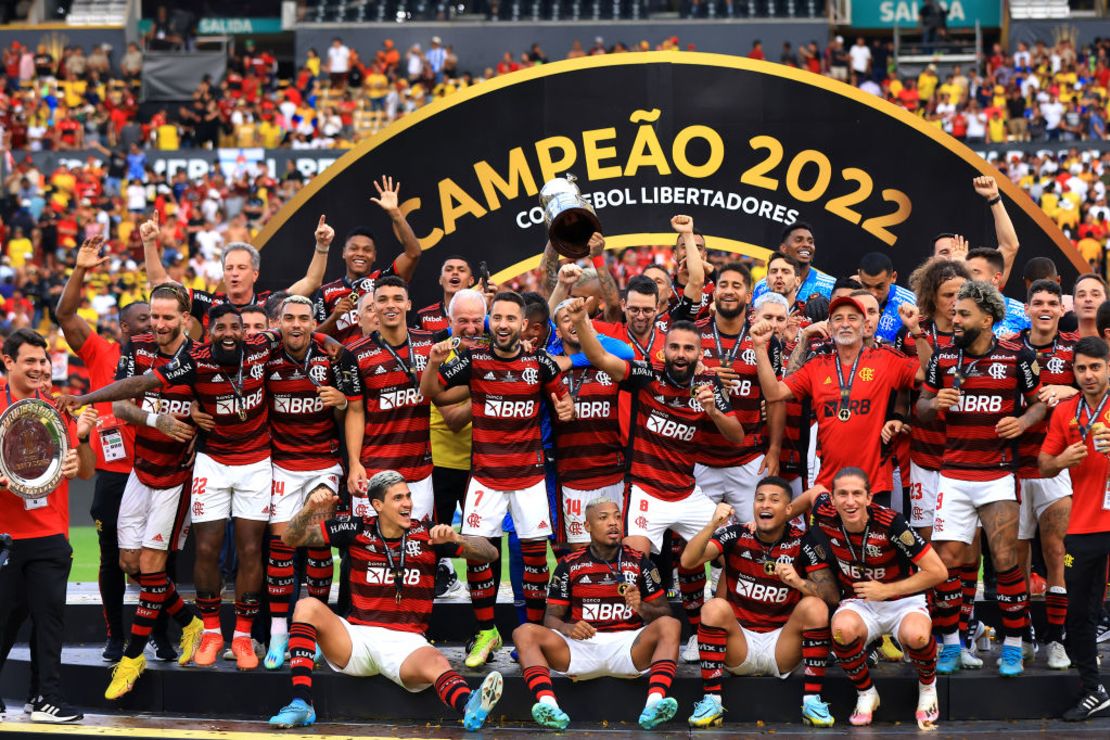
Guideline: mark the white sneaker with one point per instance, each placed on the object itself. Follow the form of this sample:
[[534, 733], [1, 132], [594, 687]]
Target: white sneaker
[[1058, 659], [928, 711], [690, 653], [866, 704], [969, 659]]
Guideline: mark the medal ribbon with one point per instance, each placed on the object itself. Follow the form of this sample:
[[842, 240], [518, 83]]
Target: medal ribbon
[[397, 569], [377, 337], [1082, 406], [846, 389]]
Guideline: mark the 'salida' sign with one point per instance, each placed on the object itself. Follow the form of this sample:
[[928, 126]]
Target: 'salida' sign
[[745, 147]]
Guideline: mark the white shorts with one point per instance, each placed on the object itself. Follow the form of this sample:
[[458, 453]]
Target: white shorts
[[240, 491], [484, 511], [760, 660], [604, 654], [958, 504], [423, 501], [574, 508], [376, 651], [147, 515], [292, 487], [1037, 494], [923, 496], [650, 517], [735, 486], [884, 617]]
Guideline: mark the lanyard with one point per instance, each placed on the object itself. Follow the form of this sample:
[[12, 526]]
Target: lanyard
[[398, 569], [862, 560], [645, 353], [618, 574], [767, 560], [1041, 352], [377, 337], [958, 377], [845, 412], [305, 366], [726, 359], [573, 387], [237, 387], [1092, 417]]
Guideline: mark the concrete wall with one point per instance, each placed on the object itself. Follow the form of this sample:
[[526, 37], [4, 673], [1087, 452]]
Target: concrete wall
[[481, 45], [1088, 30]]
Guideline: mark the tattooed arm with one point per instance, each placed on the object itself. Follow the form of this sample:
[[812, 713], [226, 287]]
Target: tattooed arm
[[304, 529]]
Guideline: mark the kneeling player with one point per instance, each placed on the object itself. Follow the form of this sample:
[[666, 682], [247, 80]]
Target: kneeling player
[[771, 619], [610, 591], [393, 570], [884, 568]]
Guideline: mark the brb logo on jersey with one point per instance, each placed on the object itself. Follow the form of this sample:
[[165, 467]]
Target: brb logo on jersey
[[156, 405], [501, 409], [979, 404], [390, 400], [378, 576], [293, 405], [659, 424], [229, 405], [762, 591], [592, 409], [593, 611]]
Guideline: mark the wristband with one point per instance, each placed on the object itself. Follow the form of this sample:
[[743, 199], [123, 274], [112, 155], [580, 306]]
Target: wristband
[[898, 417], [152, 420], [346, 403], [83, 440], [599, 261], [995, 199], [324, 250]]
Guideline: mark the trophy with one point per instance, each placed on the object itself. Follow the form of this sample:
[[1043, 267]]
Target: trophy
[[33, 444], [570, 219]]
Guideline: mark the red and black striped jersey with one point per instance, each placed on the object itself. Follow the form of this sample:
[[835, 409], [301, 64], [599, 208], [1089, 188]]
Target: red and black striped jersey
[[745, 395], [506, 397], [304, 432], [855, 440], [160, 461], [926, 437], [1054, 360], [588, 449], [347, 329], [760, 600], [229, 393], [397, 434], [374, 586], [203, 302], [887, 551], [592, 588], [794, 458], [667, 430], [433, 318], [651, 350], [991, 388], [681, 307]]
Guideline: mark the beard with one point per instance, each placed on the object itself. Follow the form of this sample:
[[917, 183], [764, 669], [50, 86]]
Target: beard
[[227, 356], [731, 313], [967, 338], [509, 342], [681, 376]]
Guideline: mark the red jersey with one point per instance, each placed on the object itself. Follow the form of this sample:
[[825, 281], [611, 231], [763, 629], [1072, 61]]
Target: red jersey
[[794, 458], [990, 386], [588, 450], [887, 550], [397, 435], [759, 599], [229, 393], [203, 301], [347, 329], [651, 350], [114, 440], [376, 566], [505, 401], [927, 438], [745, 395], [1090, 479], [1054, 361], [304, 432], [589, 586], [667, 430], [25, 519], [433, 318], [160, 462], [879, 373]]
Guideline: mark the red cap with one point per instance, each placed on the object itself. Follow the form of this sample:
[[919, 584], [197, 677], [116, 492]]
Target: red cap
[[845, 300]]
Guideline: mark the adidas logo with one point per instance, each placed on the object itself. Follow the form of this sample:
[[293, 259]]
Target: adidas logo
[[490, 376], [158, 537], [746, 555], [218, 378], [380, 370], [585, 579], [275, 376], [828, 380]]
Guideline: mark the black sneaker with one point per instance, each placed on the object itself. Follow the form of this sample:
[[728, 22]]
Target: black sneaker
[[29, 705], [1089, 704], [1102, 634], [113, 650], [163, 647], [54, 712]]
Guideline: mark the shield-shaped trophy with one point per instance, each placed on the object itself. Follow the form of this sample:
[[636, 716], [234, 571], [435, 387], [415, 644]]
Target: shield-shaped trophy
[[33, 446], [570, 219]]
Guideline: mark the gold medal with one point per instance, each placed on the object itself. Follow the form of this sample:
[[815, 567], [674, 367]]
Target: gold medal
[[844, 414], [242, 414], [769, 567], [622, 589], [455, 342]]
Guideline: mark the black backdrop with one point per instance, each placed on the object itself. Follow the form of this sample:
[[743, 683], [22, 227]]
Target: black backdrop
[[755, 144]]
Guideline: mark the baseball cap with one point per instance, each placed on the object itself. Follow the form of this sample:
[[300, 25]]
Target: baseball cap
[[845, 300]]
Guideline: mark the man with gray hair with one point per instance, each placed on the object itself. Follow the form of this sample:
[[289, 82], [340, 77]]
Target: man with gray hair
[[392, 582], [241, 263], [975, 385]]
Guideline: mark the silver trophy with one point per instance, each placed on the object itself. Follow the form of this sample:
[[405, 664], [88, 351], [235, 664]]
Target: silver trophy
[[33, 445], [570, 219]]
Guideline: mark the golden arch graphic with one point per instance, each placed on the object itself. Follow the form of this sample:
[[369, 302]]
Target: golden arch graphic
[[744, 146]]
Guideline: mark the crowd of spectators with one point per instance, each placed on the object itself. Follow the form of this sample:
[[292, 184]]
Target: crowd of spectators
[[44, 215]]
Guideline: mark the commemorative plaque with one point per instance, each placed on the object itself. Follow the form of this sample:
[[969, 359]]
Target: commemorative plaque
[[33, 445]]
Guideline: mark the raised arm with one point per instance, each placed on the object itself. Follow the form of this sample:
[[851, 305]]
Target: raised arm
[[695, 268], [314, 277], [150, 232], [121, 389], [389, 201], [430, 384], [569, 275], [304, 529], [610, 293], [591, 346], [773, 388], [550, 266], [1004, 232], [75, 328], [699, 550]]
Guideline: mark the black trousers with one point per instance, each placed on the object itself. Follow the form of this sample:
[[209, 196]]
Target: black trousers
[[1085, 577], [34, 584], [449, 486], [105, 513]]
